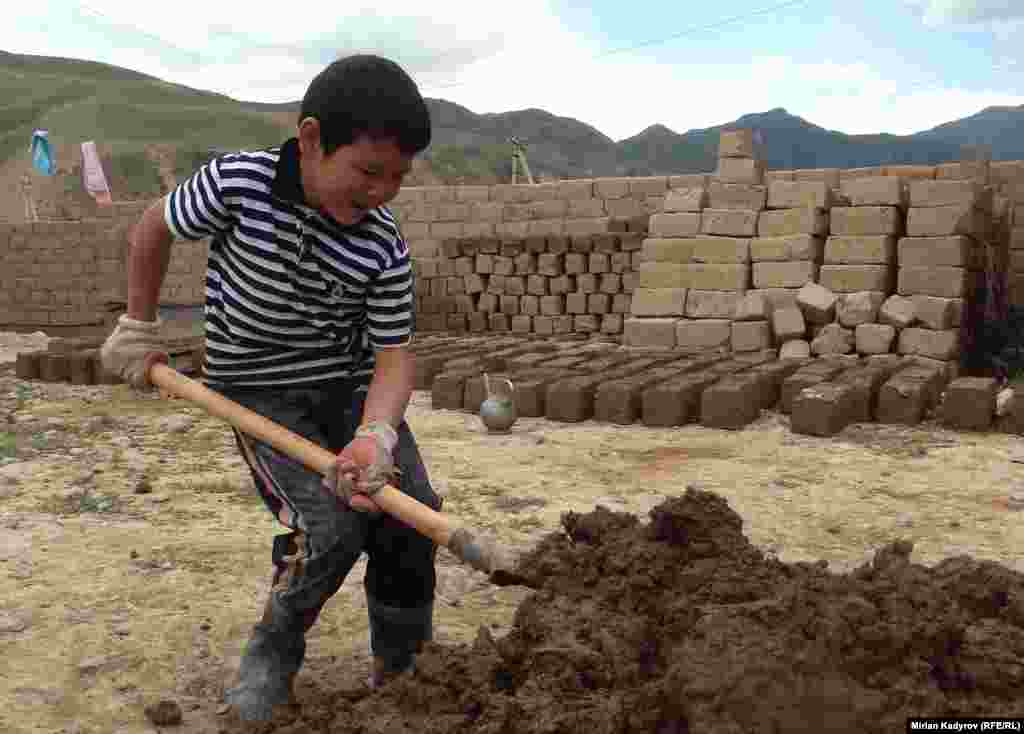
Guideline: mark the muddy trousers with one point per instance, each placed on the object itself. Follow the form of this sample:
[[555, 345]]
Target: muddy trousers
[[326, 538]]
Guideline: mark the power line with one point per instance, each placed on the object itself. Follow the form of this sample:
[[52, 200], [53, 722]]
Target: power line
[[673, 37]]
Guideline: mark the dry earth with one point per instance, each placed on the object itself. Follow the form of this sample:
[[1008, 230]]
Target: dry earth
[[134, 553]]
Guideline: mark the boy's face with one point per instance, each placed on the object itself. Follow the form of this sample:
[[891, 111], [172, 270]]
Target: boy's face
[[353, 179]]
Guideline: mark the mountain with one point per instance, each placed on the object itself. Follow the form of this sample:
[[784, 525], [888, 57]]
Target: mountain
[[150, 132]]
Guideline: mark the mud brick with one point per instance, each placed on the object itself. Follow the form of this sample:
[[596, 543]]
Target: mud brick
[[770, 377], [457, 323], [499, 322], [587, 283], [456, 285], [854, 278], [688, 199], [823, 409], [439, 287], [786, 249], [575, 263], [576, 303], [586, 323], [751, 336], [629, 282], [970, 403], [464, 265], [484, 263], [751, 197], [659, 302], [675, 224], [26, 366], [740, 170], [610, 283], [935, 313], [947, 220], [448, 387], [796, 194], [720, 250], [860, 250], [729, 222], [529, 305], [702, 304], [875, 191], [954, 251], [950, 193], [865, 220], [515, 285], [550, 264], [510, 305], [496, 284], [788, 323], [612, 323], [941, 345], [941, 281], [526, 263], [561, 324], [535, 244], [552, 305], [451, 248], [622, 303], [478, 321], [817, 303], [731, 403], [657, 332], [607, 243], [504, 265], [736, 143], [865, 382], [874, 338], [54, 367], [572, 400], [793, 274], [619, 262], [465, 304], [473, 284], [726, 277], [907, 395], [511, 249], [599, 303], [106, 377], [562, 285], [537, 285], [666, 250], [861, 307], [599, 263], [521, 324], [811, 374], [81, 367], [619, 401], [784, 222], [702, 333], [675, 402], [487, 302], [581, 245]]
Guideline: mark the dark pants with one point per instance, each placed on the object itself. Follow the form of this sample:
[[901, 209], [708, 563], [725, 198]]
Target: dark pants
[[327, 537]]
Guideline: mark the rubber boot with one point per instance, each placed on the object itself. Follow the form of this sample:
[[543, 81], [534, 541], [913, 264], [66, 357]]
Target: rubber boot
[[274, 655], [396, 635]]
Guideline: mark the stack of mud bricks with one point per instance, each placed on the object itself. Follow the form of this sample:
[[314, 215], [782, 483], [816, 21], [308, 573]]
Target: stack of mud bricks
[[549, 259], [695, 269]]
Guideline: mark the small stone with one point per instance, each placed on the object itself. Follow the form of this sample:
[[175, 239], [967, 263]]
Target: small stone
[[164, 713], [904, 520], [143, 486], [77, 451], [133, 555], [833, 530], [13, 622], [176, 424], [205, 626], [1016, 500], [954, 524], [1004, 402]]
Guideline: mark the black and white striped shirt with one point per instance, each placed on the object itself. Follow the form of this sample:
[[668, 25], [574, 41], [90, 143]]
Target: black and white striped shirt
[[292, 296]]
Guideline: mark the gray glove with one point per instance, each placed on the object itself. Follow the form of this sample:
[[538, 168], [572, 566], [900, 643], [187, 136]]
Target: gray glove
[[364, 466], [125, 351]]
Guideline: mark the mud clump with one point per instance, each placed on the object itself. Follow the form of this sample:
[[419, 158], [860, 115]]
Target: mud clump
[[681, 625]]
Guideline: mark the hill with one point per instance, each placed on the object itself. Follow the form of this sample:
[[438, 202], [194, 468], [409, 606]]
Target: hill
[[151, 132]]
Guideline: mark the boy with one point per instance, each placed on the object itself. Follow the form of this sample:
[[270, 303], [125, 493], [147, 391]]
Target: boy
[[309, 308]]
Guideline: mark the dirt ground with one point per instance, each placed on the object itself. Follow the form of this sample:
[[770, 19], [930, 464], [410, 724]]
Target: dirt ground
[[134, 554]]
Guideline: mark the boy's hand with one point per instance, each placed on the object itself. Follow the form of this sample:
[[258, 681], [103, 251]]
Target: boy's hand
[[125, 350], [363, 467]]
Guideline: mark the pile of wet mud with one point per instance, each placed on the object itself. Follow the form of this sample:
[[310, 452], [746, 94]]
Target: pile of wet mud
[[681, 625]]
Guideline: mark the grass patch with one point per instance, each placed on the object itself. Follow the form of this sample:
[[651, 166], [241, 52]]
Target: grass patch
[[89, 502], [8, 445]]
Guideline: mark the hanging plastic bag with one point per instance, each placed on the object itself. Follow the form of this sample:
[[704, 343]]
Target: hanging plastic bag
[[42, 158]]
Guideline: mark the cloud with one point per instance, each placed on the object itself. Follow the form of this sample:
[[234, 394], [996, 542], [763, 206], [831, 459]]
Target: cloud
[[942, 12]]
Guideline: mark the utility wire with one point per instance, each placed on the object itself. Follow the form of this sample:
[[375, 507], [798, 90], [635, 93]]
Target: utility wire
[[657, 41]]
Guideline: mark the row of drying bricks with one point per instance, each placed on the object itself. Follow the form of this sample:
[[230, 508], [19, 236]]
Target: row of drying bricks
[[665, 389]]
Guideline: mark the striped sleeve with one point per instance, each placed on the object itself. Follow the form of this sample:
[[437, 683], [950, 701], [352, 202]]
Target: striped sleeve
[[198, 207], [390, 303]]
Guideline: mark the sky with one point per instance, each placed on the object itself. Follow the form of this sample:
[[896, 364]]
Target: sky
[[896, 66]]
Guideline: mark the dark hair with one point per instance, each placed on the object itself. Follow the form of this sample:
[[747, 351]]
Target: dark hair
[[367, 95]]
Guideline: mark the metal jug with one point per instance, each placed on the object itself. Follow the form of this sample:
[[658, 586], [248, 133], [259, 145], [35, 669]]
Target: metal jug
[[498, 412]]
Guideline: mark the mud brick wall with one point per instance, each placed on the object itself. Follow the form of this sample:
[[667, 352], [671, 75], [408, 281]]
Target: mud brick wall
[[74, 273]]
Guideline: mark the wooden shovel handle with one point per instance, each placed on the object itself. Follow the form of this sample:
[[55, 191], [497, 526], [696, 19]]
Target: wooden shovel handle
[[413, 513]]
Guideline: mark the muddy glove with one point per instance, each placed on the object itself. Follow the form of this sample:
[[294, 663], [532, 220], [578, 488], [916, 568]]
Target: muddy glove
[[125, 351], [364, 466]]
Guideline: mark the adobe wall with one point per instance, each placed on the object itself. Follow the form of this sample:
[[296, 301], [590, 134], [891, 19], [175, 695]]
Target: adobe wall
[[471, 245]]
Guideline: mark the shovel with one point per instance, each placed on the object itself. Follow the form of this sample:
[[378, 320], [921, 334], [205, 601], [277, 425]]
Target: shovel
[[460, 541]]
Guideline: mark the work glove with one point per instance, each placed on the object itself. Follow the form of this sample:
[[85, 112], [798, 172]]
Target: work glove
[[364, 466], [132, 348]]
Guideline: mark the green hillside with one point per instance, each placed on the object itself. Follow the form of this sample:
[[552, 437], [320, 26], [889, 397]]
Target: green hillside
[[124, 112]]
